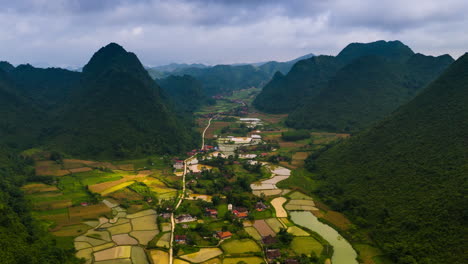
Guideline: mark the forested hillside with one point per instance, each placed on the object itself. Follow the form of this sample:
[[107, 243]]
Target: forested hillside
[[223, 79], [121, 112], [306, 79], [347, 93], [185, 91], [21, 117], [405, 179], [113, 109], [365, 91], [22, 240], [48, 87]]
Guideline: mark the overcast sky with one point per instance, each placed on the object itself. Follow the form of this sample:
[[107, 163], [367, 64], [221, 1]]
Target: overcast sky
[[68, 32]]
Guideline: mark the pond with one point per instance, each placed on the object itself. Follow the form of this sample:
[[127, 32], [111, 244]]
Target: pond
[[343, 252]]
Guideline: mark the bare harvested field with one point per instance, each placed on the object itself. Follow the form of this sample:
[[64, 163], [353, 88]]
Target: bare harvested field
[[72, 230], [126, 167], [82, 169], [325, 138], [269, 118], [278, 205], [79, 213], [38, 187], [50, 168], [337, 219], [51, 205], [263, 228], [298, 158], [126, 194], [124, 239], [210, 132]]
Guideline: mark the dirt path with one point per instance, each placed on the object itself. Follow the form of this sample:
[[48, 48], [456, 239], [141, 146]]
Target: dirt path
[[171, 251]]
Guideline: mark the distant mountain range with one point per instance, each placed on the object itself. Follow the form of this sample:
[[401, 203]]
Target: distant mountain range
[[347, 93], [113, 109], [405, 178], [223, 79]]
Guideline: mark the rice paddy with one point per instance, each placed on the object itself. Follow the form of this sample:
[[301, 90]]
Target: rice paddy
[[159, 257], [305, 245], [253, 233], [240, 246], [164, 241], [274, 224], [248, 260], [297, 231], [278, 205], [263, 228], [203, 255]]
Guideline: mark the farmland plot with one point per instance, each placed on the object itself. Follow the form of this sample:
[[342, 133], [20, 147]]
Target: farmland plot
[[240, 246], [203, 255]]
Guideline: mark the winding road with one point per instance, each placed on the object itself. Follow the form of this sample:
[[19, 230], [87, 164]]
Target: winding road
[[181, 198]]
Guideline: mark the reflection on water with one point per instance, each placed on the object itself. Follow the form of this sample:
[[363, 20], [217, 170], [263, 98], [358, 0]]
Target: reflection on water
[[343, 252]]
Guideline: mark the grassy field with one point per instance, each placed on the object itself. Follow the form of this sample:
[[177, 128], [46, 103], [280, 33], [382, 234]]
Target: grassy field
[[300, 178], [305, 245], [240, 246]]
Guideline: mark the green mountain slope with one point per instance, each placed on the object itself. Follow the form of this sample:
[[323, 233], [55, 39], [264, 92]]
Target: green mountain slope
[[118, 111], [405, 179], [48, 87], [223, 79], [22, 239], [365, 91], [185, 91], [394, 50], [21, 119], [306, 79]]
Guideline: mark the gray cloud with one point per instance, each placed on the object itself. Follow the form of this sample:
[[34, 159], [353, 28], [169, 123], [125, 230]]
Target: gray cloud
[[67, 32]]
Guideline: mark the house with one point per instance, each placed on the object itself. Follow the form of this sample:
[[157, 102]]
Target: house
[[229, 207], [291, 261], [84, 204], [272, 254], [260, 206], [239, 214], [180, 239], [185, 218], [224, 234], [165, 215], [269, 240], [178, 165], [247, 156], [211, 212]]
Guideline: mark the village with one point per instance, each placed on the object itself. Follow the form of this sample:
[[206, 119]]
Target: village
[[229, 210]]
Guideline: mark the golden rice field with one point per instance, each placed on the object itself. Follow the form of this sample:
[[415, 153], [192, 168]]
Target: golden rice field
[[253, 232], [203, 255], [159, 257], [274, 224]]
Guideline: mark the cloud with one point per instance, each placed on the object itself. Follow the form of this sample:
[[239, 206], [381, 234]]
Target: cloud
[[67, 32]]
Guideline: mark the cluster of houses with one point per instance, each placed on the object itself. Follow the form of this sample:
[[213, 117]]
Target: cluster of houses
[[251, 122], [251, 140]]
